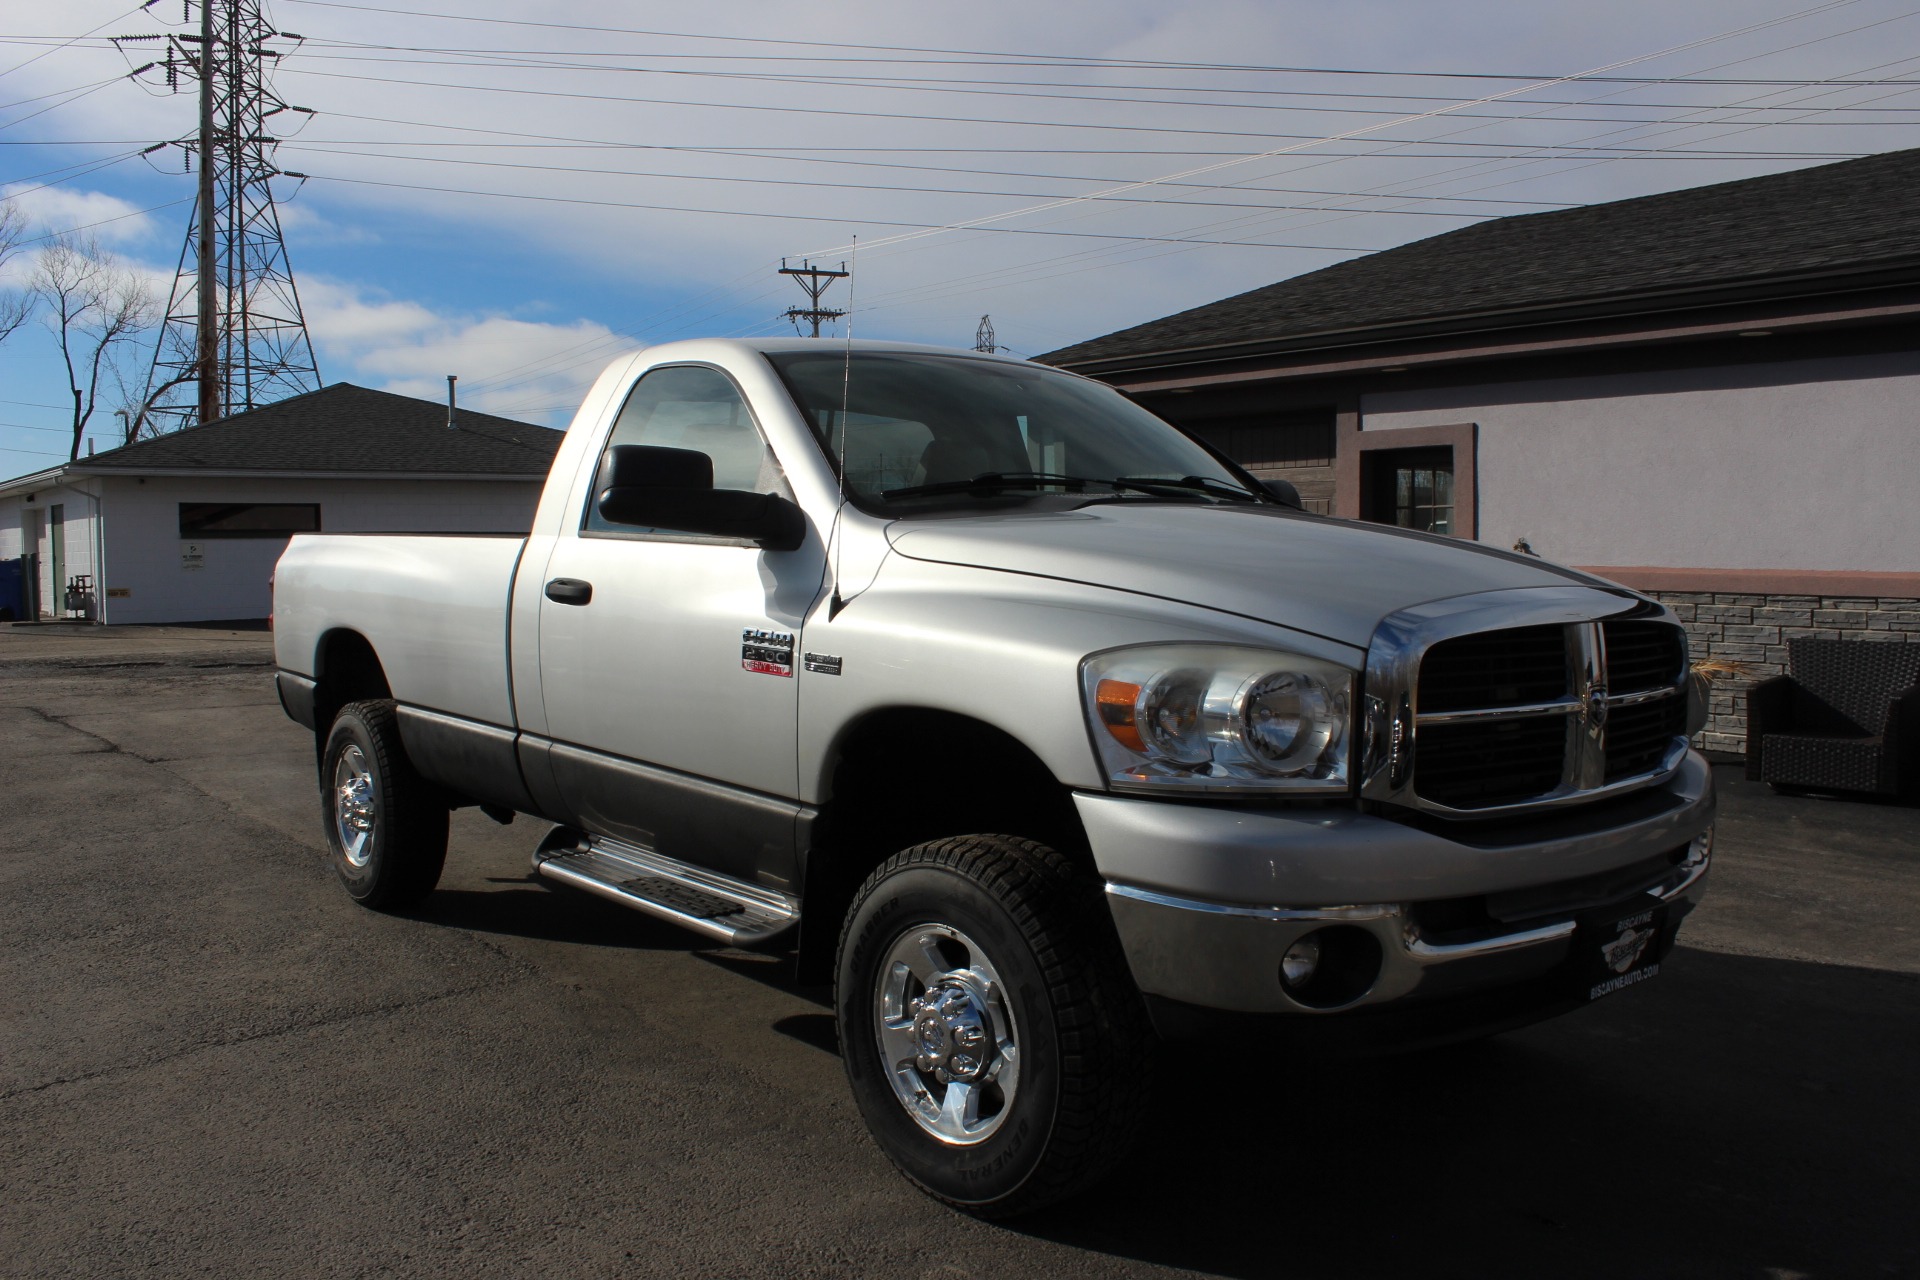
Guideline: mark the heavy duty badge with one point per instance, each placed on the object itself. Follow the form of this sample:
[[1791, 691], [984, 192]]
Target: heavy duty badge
[[767, 653]]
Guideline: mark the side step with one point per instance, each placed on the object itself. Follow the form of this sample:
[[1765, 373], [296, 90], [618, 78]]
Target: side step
[[733, 911]]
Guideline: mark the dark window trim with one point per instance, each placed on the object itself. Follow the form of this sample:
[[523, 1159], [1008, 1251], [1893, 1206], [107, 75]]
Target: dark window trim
[[668, 535], [1462, 437]]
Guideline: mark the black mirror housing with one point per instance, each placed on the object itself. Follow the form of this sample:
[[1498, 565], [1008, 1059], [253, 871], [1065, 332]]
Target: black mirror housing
[[652, 487], [1284, 491]]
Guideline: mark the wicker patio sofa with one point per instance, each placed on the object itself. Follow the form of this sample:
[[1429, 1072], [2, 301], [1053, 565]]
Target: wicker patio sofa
[[1845, 717]]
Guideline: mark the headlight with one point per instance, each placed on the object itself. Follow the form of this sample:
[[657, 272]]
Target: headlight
[[1216, 718]]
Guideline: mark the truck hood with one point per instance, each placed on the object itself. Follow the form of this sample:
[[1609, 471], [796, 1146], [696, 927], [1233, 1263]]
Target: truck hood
[[1332, 578]]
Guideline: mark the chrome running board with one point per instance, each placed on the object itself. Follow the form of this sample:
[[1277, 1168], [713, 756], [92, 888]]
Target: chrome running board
[[732, 911]]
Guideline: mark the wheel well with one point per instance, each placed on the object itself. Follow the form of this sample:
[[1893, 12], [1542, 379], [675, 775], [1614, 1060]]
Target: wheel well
[[345, 669], [907, 775]]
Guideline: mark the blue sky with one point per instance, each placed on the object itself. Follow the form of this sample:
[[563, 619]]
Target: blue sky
[[639, 171]]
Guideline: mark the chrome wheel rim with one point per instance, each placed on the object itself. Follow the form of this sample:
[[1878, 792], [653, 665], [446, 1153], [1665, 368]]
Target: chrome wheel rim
[[946, 1033], [353, 806]]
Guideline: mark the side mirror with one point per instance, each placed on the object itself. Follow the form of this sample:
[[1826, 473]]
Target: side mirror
[[1285, 492], [657, 488]]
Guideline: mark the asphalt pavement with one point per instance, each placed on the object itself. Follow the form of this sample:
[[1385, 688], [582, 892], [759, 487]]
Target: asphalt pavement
[[212, 1062]]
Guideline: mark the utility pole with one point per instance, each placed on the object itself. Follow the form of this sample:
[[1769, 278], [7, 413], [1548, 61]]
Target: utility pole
[[983, 336], [233, 326], [816, 281], [206, 353]]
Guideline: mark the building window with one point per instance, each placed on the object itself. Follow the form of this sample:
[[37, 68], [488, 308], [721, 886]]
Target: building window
[[248, 519], [1412, 488]]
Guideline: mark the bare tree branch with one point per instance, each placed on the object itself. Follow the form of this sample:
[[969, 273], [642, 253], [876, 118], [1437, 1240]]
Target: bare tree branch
[[15, 304], [137, 405], [93, 306]]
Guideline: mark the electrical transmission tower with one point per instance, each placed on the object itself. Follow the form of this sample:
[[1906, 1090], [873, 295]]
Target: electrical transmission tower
[[815, 280], [233, 327], [983, 336]]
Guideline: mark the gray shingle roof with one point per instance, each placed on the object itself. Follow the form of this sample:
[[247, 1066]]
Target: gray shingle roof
[[1830, 219], [347, 428]]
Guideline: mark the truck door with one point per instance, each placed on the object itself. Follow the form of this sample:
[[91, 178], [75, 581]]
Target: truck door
[[667, 659]]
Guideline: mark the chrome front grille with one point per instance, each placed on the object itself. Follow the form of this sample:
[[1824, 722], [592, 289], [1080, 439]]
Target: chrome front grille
[[1562, 706]]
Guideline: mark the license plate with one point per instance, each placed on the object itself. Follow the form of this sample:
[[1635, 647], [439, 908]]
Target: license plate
[[1620, 947]]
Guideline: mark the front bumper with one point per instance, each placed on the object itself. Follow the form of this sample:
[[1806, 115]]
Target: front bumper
[[1208, 899]]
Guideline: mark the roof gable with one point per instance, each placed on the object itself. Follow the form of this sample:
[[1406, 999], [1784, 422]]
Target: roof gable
[[1849, 216]]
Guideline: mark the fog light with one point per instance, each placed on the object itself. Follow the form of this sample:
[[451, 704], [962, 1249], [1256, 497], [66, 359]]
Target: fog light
[[1302, 959], [1331, 967]]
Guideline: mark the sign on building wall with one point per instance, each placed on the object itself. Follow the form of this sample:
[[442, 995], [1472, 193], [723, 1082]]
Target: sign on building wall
[[192, 556]]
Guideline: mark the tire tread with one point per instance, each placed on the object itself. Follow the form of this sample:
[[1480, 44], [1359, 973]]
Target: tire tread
[[414, 848]]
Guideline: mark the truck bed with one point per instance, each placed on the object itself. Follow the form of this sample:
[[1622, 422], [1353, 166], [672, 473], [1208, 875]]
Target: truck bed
[[434, 608]]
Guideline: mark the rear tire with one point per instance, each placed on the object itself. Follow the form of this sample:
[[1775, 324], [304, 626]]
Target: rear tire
[[386, 825], [989, 965]]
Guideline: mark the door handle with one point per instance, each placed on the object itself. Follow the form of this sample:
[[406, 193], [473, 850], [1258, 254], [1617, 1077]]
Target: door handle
[[569, 591]]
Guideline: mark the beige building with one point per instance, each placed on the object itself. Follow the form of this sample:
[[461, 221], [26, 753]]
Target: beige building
[[1712, 395]]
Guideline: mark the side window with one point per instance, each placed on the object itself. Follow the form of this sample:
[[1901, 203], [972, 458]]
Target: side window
[[690, 407]]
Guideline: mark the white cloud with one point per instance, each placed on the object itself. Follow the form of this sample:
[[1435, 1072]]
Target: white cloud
[[506, 365], [56, 209]]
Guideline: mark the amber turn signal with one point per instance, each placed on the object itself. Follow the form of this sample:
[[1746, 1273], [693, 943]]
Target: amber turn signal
[[1116, 700]]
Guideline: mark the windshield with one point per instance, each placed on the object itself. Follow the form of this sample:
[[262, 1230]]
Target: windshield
[[932, 430]]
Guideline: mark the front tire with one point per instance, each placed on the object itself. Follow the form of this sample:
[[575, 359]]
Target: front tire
[[996, 1046], [386, 826]]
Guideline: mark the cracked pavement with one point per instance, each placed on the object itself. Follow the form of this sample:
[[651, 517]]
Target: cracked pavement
[[211, 1061]]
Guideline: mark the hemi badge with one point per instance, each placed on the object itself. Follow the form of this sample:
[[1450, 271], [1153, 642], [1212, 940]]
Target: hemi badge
[[767, 653], [827, 664]]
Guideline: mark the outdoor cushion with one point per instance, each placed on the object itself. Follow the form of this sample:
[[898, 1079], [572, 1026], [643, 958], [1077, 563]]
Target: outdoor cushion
[[1846, 717]]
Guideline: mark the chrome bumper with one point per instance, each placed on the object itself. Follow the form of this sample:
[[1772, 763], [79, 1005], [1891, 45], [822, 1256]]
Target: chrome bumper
[[1198, 949]]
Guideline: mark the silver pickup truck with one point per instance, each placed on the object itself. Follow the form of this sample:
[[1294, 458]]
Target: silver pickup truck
[[1039, 728]]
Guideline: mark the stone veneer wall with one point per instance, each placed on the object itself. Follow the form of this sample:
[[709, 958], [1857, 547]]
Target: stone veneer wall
[[1754, 630]]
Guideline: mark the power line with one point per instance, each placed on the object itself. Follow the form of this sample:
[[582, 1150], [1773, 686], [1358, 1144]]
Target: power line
[[72, 40], [1138, 253], [524, 60], [948, 119], [1370, 129], [1027, 59], [921, 295], [802, 217], [1188, 152], [42, 97], [75, 97], [319, 149], [82, 169], [118, 217], [550, 142], [1087, 64], [894, 85]]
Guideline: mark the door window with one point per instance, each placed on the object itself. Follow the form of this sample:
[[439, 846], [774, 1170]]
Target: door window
[[692, 407]]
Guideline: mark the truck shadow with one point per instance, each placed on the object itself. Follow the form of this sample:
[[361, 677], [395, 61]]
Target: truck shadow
[[535, 908], [1743, 1117]]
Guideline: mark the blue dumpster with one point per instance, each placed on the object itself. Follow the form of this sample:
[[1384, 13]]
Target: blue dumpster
[[13, 590]]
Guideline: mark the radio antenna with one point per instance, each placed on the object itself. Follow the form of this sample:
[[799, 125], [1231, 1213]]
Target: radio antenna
[[846, 395]]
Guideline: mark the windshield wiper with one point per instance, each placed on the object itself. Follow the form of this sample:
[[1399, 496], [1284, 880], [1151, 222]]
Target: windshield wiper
[[1190, 484], [988, 481]]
